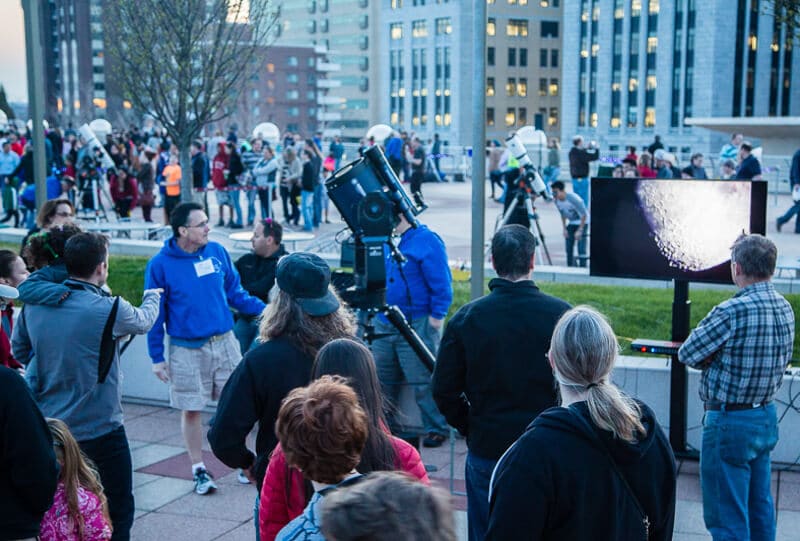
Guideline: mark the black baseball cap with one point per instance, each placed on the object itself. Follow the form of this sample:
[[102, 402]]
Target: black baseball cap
[[306, 278]]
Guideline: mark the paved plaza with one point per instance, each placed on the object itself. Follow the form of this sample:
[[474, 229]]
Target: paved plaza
[[167, 508]]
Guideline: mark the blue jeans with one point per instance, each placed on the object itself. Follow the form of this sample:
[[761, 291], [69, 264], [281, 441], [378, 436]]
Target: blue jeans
[[234, 195], [255, 516], [307, 204], [478, 473], [581, 188], [251, 206], [570, 246], [319, 189], [398, 365], [735, 473], [793, 210], [246, 332]]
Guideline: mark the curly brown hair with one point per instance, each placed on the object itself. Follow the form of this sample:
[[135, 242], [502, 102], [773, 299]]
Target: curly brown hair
[[322, 429], [46, 247]]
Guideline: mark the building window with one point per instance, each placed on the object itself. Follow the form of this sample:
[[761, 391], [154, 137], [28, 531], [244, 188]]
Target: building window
[[363, 23], [649, 117], [419, 28], [490, 116], [523, 57], [511, 117], [444, 26], [490, 56], [292, 61], [511, 87], [543, 55], [311, 26], [255, 93], [363, 63], [549, 29], [542, 87], [396, 31], [554, 87], [552, 119], [490, 86], [512, 56], [522, 116], [491, 27], [363, 84], [522, 87], [363, 43], [292, 94], [291, 78], [312, 6], [554, 58], [397, 4], [517, 28]]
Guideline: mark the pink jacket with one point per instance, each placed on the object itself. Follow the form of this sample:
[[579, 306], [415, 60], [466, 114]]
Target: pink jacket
[[283, 493], [57, 525]]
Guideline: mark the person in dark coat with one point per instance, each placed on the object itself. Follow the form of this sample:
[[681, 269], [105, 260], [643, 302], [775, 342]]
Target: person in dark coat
[[28, 467], [599, 466], [257, 273], [579, 160], [487, 384], [304, 315]]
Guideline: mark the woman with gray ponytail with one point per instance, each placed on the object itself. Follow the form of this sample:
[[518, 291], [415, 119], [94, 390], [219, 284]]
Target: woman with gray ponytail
[[597, 467]]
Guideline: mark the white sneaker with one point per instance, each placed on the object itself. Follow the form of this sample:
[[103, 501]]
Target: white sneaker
[[242, 477], [203, 482]]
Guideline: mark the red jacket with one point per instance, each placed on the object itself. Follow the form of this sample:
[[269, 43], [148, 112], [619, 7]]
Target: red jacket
[[6, 358], [283, 493], [119, 192], [218, 166]]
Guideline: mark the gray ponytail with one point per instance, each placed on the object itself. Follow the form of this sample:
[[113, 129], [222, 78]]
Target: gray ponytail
[[584, 350]]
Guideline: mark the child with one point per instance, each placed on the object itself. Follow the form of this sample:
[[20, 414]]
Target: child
[[322, 430], [80, 510]]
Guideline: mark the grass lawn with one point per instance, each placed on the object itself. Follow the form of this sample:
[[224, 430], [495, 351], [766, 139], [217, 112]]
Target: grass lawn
[[635, 312]]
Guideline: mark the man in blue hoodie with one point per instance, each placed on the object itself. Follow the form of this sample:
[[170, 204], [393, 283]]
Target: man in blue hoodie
[[423, 291], [200, 283]]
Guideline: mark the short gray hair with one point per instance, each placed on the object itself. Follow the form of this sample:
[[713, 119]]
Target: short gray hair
[[756, 254]]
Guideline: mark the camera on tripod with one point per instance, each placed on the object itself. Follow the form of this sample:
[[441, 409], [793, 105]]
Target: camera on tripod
[[530, 181], [371, 200]]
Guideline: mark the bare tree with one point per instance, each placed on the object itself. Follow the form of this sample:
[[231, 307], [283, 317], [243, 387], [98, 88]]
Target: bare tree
[[184, 61], [786, 11]]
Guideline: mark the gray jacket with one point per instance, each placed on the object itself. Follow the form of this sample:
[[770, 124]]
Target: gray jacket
[[74, 382]]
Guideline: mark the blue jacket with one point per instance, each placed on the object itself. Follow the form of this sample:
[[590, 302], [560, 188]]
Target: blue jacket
[[424, 287], [394, 148], [194, 305]]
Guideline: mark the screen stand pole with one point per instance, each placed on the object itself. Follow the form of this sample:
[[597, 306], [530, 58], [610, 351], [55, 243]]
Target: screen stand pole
[[681, 310]]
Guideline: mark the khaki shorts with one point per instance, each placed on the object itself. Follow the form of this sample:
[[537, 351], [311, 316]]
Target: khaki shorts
[[197, 376]]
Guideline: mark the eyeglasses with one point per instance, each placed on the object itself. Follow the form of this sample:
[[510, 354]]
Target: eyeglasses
[[201, 224]]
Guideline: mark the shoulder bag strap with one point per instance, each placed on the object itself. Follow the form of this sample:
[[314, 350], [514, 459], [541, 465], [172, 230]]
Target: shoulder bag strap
[[108, 344]]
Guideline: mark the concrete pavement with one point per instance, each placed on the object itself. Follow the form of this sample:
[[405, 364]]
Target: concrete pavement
[[167, 508]]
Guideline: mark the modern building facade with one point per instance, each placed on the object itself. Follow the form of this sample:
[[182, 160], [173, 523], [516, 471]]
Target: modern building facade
[[637, 68], [344, 32], [425, 53]]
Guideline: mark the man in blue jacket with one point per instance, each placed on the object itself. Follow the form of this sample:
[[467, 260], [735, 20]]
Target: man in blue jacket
[[200, 283], [422, 289]]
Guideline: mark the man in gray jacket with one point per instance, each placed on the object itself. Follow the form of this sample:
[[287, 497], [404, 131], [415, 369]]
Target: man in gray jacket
[[77, 355]]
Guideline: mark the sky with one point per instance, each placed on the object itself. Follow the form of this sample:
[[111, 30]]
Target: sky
[[12, 51]]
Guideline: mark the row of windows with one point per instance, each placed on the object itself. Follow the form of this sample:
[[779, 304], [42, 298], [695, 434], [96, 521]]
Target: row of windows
[[547, 57], [519, 28], [519, 87], [518, 116], [419, 28], [398, 4], [543, 3]]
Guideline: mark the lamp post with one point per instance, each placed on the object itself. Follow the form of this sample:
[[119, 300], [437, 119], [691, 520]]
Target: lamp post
[[34, 47], [478, 146]]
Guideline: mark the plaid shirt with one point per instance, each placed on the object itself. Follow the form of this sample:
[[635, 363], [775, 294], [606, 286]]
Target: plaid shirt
[[748, 340]]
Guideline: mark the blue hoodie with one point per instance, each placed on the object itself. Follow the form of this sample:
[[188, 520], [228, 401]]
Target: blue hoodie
[[424, 287], [194, 305]]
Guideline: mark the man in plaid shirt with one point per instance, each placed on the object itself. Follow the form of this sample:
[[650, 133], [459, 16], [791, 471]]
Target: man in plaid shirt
[[743, 347]]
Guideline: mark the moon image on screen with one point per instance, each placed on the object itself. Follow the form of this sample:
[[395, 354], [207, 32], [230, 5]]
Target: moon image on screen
[[695, 224]]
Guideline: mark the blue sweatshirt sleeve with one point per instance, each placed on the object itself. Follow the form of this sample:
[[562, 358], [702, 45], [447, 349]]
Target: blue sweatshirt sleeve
[[45, 286], [155, 337], [436, 271], [237, 296]]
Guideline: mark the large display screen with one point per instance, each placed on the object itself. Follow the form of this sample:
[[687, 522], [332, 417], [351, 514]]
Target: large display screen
[[671, 229]]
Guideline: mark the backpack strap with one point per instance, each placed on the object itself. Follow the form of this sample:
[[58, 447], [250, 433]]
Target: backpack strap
[[108, 344]]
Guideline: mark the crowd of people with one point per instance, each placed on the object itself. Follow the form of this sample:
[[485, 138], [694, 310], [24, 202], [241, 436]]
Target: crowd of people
[[555, 449]]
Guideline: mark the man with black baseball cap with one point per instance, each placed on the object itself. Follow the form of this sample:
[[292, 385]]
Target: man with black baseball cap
[[303, 315]]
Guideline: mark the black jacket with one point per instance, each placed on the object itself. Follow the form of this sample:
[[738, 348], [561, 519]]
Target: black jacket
[[253, 394], [579, 160], [200, 172], [493, 351], [28, 467], [258, 273], [556, 482]]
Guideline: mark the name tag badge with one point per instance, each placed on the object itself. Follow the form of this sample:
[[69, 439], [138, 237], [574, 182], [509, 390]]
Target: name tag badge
[[204, 267]]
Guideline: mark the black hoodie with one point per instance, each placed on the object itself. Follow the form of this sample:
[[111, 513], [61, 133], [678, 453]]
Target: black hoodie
[[258, 273], [556, 482]]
